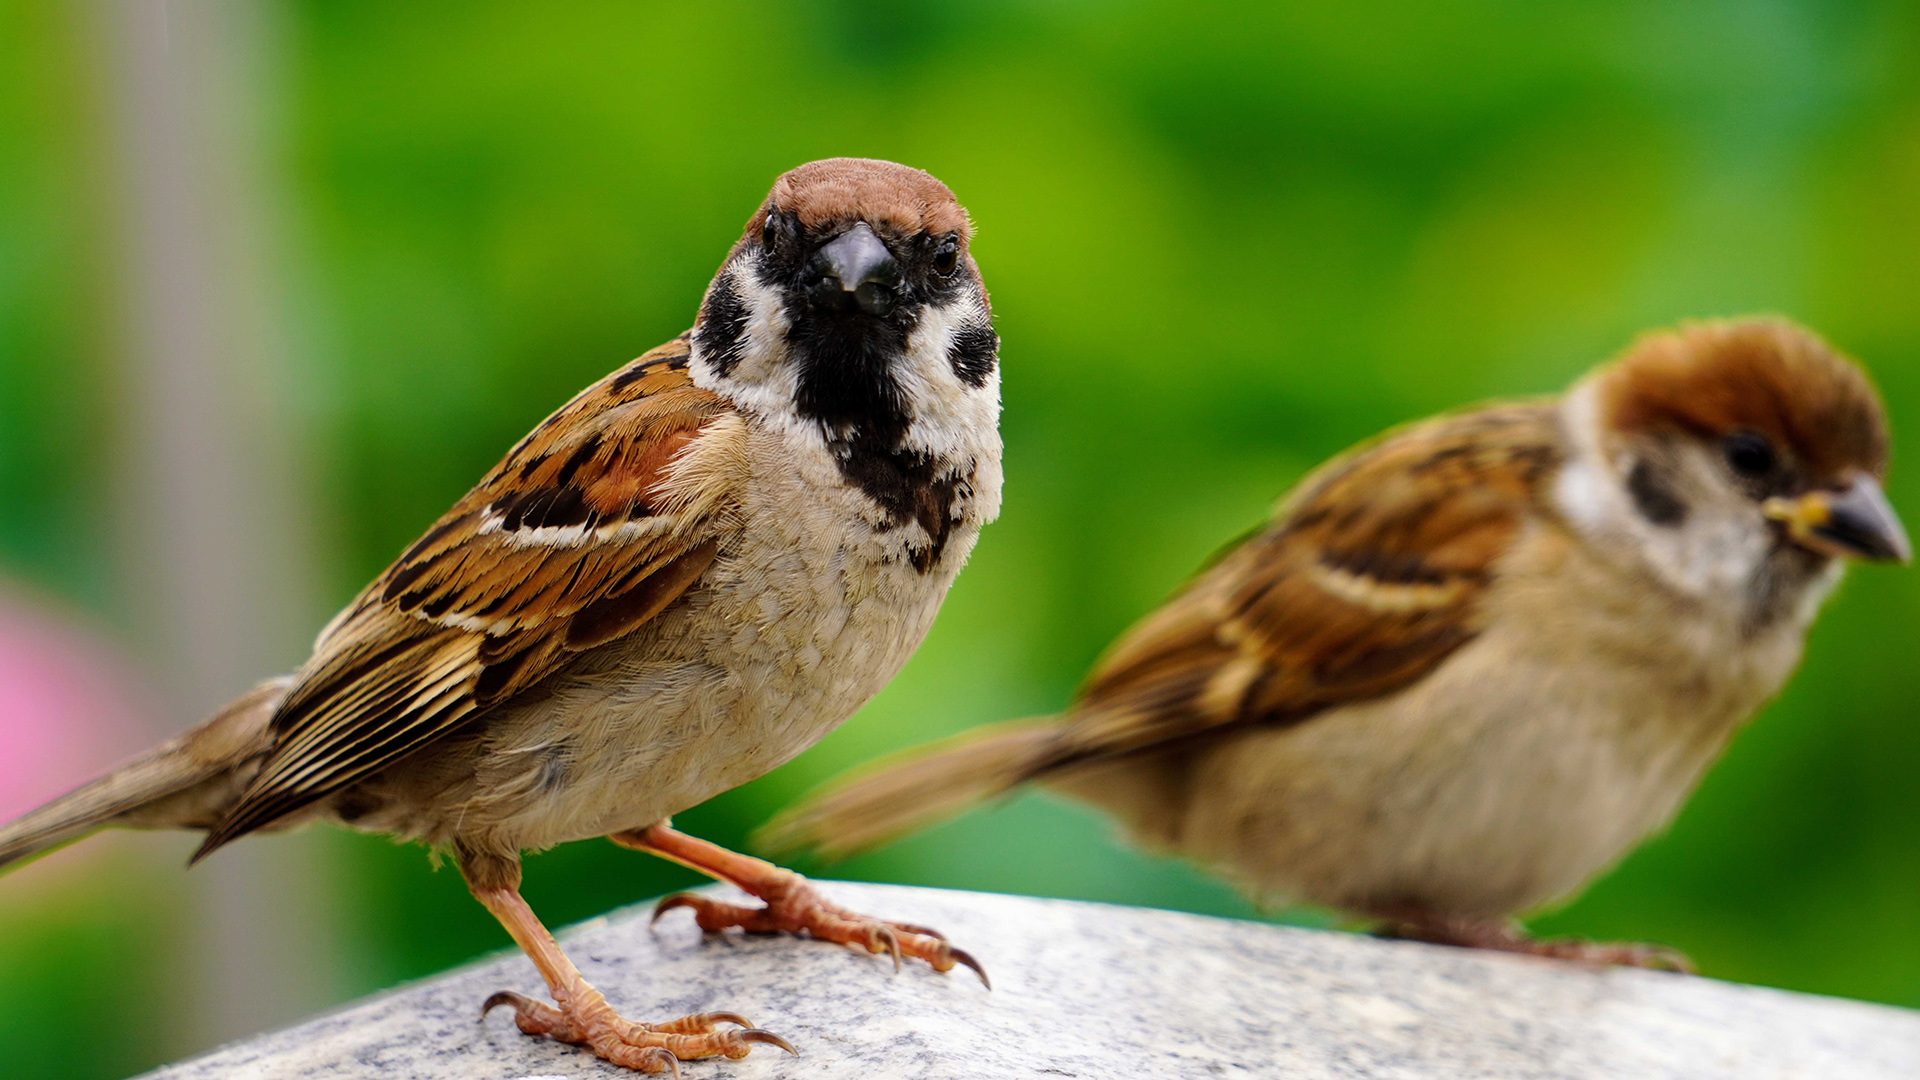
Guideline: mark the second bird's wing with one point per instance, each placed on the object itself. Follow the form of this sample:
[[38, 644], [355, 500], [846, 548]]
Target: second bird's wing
[[1368, 577]]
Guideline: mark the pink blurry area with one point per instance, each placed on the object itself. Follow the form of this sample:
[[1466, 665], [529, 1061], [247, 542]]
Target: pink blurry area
[[70, 704]]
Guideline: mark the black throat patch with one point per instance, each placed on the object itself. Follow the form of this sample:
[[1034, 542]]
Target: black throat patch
[[845, 367], [910, 486]]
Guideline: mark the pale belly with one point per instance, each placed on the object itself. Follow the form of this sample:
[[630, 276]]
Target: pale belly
[[1497, 785], [805, 616], [727, 689]]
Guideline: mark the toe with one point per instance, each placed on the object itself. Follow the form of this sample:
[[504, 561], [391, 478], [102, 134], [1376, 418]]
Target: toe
[[504, 997], [652, 1060], [532, 1017], [647, 1048], [677, 900], [944, 957], [700, 1023], [735, 1043], [918, 931]]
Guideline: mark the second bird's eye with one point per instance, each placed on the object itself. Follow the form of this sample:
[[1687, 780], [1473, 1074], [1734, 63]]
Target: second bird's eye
[[770, 230], [946, 257], [1749, 454]]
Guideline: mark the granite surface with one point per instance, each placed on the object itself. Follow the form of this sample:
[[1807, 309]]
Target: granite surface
[[1086, 990]]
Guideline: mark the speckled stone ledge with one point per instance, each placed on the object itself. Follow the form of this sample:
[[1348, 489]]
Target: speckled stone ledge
[[1087, 990]]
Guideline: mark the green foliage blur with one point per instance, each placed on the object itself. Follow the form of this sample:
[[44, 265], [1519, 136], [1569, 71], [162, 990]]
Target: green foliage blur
[[1224, 241]]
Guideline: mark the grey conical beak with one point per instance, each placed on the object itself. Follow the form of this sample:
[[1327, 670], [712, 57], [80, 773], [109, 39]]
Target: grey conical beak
[[1855, 522], [856, 269]]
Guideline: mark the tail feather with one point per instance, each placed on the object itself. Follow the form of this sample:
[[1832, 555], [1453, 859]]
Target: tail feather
[[185, 783], [910, 791]]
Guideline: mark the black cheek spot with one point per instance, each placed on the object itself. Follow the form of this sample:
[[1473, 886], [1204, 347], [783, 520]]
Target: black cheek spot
[[723, 326], [972, 353], [1655, 501]]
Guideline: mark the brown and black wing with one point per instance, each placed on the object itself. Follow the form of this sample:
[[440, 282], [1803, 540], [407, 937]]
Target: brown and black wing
[[594, 523], [1368, 577]]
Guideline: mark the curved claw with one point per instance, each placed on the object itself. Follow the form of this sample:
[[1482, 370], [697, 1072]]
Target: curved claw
[[659, 1056], [668, 903], [918, 930], [504, 997], [883, 935], [727, 1018], [758, 1035], [965, 959]]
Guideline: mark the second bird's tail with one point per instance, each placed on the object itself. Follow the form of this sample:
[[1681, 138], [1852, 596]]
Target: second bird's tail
[[910, 791]]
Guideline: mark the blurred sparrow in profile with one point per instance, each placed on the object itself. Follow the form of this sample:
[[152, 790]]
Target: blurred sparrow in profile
[[681, 579], [1469, 665]]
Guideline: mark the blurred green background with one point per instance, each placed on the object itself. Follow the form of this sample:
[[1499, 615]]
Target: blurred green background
[[1224, 241]]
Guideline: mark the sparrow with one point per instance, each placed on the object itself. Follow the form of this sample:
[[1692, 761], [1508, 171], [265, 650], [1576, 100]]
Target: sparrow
[[678, 581], [1469, 665]]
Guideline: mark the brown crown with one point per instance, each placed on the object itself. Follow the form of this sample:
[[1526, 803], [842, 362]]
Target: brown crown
[[887, 196], [1766, 375]]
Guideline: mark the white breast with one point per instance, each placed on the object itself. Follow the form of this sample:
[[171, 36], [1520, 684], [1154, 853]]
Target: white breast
[[822, 599], [809, 611]]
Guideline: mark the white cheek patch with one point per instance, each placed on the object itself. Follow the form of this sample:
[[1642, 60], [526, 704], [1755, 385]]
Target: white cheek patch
[[1586, 491], [763, 380], [950, 416], [1713, 554], [1586, 497], [948, 419]]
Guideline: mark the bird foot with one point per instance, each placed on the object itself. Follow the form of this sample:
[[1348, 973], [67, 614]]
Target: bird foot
[[586, 1019], [1639, 954], [1504, 937], [794, 906]]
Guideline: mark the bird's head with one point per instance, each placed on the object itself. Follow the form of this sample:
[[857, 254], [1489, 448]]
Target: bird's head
[[851, 300], [1745, 455]]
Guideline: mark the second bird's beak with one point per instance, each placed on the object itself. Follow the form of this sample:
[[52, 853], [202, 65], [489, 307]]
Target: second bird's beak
[[855, 269], [1855, 521]]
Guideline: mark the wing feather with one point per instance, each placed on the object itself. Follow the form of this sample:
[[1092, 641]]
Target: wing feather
[[592, 525], [1369, 576]]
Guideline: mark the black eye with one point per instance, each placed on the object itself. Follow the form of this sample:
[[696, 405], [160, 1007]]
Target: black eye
[[771, 230], [1750, 454], [947, 256]]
